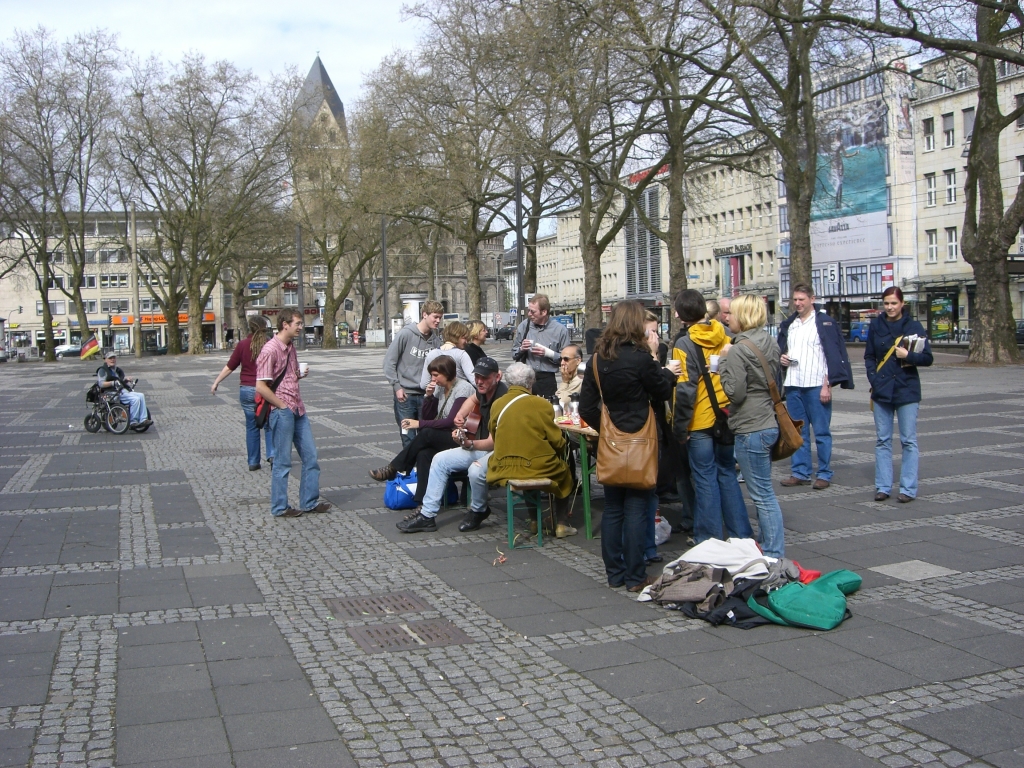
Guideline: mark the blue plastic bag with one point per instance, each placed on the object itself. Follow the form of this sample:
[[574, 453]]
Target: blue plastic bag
[[400, 493]]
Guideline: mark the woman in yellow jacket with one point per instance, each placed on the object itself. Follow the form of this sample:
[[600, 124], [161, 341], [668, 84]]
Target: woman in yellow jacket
[[720, 512]]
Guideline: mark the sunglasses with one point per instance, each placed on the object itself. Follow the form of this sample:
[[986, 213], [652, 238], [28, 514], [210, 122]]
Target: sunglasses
[[569, 359]]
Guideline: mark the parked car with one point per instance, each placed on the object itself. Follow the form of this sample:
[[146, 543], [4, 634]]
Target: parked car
[[505, 333], [1020, 331], [67, 350], [859, 331]]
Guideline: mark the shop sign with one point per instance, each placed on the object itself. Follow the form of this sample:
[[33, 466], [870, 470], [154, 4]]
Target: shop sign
[[55, 323], [731, 250], [208, 317], [92, 323], [289, 286], [122, 319], [258, 286], [14, 325]]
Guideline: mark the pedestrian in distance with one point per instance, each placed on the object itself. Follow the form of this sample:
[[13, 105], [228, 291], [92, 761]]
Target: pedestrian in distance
[[815, 359], [288, 419], [720, 510], [538, 342], [631, 384], [404, 361], [892, 356], [752, 412], [244, 355]]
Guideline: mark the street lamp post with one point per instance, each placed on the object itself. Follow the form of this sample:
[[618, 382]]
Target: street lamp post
[[519, 241], [384, 275], [137, 319], [301, 341]]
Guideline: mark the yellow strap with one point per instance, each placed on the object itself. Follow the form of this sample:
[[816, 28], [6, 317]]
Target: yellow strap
[[889, 353]]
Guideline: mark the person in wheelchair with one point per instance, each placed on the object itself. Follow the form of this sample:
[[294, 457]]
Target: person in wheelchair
[[109, 376]]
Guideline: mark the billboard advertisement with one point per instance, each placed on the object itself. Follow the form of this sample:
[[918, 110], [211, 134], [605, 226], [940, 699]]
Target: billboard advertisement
[[849, 209]]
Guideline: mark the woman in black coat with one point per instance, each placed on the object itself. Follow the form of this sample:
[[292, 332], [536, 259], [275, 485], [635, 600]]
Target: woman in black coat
[[895, 391], [631, 381]]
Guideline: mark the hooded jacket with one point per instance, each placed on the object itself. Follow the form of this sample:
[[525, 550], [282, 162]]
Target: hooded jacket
[[897, 382], [744, 382], [404, 360], [693, 410]]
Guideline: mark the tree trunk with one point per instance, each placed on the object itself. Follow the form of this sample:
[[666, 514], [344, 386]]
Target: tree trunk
[[591, 281], [330, 340], [173, 332], [49, 355], [677, 268], [195, 319], [473, 278], [83, 320]]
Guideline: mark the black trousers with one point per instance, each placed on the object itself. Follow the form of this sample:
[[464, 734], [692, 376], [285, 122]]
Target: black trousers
[[420, 453], [546, 384]]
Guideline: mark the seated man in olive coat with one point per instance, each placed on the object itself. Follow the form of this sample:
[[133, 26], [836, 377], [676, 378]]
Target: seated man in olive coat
[[528, 445]]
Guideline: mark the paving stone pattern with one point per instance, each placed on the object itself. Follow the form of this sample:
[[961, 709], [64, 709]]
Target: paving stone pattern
[[152, 613]]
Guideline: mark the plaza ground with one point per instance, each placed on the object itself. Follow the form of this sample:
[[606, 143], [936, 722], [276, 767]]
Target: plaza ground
[[152, 613]]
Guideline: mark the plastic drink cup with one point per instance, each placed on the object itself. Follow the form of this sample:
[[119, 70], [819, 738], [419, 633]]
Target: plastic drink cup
[[303, 369], [714, 363]]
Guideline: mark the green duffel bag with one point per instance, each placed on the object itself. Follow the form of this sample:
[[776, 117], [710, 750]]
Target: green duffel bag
[[818, 605]]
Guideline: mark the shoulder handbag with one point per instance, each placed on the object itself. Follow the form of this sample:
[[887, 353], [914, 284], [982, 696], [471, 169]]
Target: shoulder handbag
[[790, 432], [881, 365], [720, 431], [263, 408], [626, 459]]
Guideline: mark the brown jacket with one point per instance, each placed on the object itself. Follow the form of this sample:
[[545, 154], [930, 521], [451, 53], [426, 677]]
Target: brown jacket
[[528, 445]]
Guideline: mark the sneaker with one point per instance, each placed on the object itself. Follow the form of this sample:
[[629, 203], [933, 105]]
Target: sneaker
[[739, 477], [474, 520], [417, 523], [384, 473], [291, 512], [564, 531], [323, 506]]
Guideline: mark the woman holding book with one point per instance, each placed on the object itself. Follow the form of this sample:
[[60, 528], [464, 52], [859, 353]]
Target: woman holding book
[[897, 346]]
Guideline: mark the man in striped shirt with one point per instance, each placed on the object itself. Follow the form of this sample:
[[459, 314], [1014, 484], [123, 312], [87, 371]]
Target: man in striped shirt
[[815, 359]]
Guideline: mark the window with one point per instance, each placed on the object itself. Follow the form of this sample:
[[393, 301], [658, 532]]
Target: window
[[53, 283], [90, 257], [950, 186], [113, 257], [760, 216], [643, 248], [948, 132], [888, 199], [113, 306], [968, 123], [952, 244], [760, 264], [149, 305], [771, 263], [849, 92], [930, 193], [153, 280], [260, 301], [856, 280], [784, 283], [228, 300], [873, 84], [318, 272], [783, 218], [291, 297], [114, 281], [1020, 169], [928, 130], [933, 245], [876, 280], [1020, 103], [90, 306], [88, 281], [56, 307], [816, 282], [750, 217]]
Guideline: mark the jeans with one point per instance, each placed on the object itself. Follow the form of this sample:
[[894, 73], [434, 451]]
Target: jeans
[[754, 453], [804, 404], [719, 498], [410, 409], [907, 415], [136, 402], [623, 533], [247, 397], [650, 547], [444, 465], [289, 430]]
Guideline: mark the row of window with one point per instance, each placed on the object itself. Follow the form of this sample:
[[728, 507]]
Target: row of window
[[110, 306], [949, 128], [952, 245], [848, 93], [931, 194], [738, 220]]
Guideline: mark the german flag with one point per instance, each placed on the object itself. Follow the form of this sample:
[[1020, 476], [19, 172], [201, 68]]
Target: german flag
[[91, 347]]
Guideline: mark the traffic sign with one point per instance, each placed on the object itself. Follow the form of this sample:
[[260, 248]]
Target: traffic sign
[[832, 270], [514, 311]]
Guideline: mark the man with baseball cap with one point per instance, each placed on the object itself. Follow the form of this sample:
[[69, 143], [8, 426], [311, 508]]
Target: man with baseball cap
[[475, 446], [109, 375]]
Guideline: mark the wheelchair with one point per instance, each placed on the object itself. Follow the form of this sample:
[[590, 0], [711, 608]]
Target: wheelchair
[[108, 412]]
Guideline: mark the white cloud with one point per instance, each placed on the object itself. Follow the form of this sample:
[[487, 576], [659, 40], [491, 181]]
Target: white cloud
[[266, 37]]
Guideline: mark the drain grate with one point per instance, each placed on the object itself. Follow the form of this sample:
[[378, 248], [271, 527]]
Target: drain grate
[[218, 453], [376, 605], [406, 637]]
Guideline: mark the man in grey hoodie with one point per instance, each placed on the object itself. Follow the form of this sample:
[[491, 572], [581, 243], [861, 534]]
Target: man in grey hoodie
[[403, 364]]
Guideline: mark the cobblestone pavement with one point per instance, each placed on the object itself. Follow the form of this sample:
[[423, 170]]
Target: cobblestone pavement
[[153, 613]]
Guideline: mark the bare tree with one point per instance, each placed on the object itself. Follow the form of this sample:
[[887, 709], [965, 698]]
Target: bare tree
[[206, 145]]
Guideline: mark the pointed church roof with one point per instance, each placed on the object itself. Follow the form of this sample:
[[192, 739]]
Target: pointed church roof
[[317, 89]]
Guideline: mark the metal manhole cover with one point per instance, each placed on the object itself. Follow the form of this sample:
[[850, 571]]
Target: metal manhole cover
[[407, 637], [376, 605]]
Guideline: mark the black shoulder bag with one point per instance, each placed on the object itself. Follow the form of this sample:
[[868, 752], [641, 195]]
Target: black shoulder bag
[[720, 431], [263, 407]]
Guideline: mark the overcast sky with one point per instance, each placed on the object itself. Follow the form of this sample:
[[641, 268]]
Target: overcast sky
[[352, 36]]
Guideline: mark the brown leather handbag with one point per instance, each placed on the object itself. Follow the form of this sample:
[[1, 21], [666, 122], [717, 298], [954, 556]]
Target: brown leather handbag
[[790, 437], [626, 459]]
